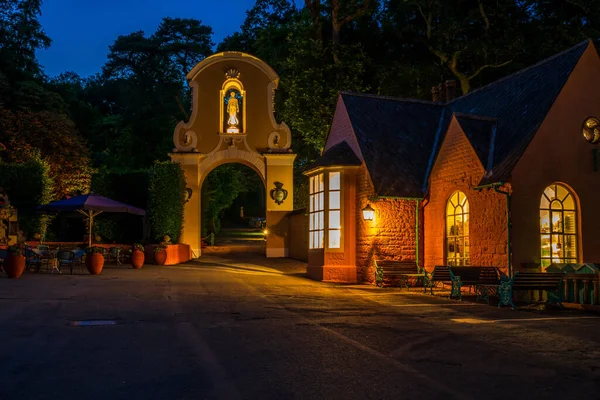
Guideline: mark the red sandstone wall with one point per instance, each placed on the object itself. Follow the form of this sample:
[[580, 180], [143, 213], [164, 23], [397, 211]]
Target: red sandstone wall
[[390, 236], [559, 153], [298, 235], [458, 168]]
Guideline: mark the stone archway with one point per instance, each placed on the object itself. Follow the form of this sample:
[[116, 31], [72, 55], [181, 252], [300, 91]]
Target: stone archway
[[234, 93]]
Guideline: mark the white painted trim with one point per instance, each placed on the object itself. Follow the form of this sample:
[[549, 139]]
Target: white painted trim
[[278, 252]]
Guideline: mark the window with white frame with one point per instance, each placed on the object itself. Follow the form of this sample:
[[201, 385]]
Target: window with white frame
[[335, 213], [317, 212]]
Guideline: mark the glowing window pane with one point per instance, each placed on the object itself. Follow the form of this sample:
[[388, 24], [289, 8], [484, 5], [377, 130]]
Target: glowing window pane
[[561, 192], [556, 205], [568, 203], [321, 183], [334, 239], [545, 221], [544, 202], [457, 229], [334, 181], [334, 200], [321, 220], [321, 201], [321, 235], [334, 220], [569, 222], [549, 192]]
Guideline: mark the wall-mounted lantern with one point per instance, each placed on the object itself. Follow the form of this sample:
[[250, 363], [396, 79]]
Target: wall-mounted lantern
[[187, 195], [368, 213]]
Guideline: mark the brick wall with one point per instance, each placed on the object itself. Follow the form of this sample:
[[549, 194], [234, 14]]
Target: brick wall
[[390, 236], [458, 168]]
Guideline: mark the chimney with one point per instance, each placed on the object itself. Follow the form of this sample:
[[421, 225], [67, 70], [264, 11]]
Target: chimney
[[435, 94], [450, 90], [438, 93]]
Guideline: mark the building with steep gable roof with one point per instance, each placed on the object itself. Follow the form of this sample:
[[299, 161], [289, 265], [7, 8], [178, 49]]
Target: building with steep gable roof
[[506, 175]]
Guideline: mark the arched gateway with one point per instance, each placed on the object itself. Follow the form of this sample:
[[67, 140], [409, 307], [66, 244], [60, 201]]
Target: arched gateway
[[233, 122]]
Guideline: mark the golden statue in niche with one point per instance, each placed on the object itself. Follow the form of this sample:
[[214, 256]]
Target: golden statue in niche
[[233, 108]]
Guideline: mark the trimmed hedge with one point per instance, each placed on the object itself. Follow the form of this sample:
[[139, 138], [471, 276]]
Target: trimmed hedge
[[28, 185], [166, 198]]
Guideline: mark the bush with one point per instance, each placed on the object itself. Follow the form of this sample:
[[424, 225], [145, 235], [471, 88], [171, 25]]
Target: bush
[[28, 185], [166, 198]]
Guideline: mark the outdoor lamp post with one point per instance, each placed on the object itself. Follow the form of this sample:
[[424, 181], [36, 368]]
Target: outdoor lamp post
[[368, 213]]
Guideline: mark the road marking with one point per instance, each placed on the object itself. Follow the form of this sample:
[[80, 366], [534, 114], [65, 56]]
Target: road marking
[[494, 321]]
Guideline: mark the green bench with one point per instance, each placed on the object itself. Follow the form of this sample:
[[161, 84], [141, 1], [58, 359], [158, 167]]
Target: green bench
[[400, 271], [547, 281], [484, 279]]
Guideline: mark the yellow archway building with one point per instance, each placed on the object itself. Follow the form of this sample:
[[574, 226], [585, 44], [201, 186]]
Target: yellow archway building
[[233, 121]]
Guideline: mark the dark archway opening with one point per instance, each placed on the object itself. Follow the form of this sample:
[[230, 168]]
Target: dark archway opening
[[234, 209]]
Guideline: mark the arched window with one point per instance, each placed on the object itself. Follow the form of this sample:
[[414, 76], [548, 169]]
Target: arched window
[[457, 230], [558, 225]]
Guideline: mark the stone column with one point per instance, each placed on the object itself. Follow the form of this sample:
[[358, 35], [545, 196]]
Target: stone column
[[280, 168]]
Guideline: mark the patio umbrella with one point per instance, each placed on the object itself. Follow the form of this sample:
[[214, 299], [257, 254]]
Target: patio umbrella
[[91, 205]]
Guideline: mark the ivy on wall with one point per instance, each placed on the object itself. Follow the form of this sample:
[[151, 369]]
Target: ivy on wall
[[166, 198], [28, 185]]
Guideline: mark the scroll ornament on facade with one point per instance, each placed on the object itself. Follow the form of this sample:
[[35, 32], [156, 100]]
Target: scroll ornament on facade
[[279, 194]]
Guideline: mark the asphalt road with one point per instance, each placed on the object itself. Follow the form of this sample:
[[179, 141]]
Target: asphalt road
[[219, 330]]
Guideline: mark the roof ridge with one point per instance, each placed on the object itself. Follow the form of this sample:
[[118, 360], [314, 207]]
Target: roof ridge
[[544, 61], [391, 98], [473, 116]]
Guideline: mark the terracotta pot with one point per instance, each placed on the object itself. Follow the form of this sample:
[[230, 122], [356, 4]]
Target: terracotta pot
[[14, 265], [160, 257], [137, 259], [94, 263]]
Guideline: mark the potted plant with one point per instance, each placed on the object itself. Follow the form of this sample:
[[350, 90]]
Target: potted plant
[[94, 260], [14, 265], [160, 253], [137, 256]]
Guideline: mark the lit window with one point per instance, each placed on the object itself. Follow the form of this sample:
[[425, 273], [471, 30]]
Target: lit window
[[457, 230], [335, 213], [317, 212], [558, 225]]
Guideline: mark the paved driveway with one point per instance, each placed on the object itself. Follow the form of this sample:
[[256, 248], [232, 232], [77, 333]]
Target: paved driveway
[[228, 329]]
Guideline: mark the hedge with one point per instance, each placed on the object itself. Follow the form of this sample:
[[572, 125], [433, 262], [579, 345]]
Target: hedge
[[166, 198], [28, 185]]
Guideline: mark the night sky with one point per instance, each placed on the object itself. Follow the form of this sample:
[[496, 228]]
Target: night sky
[[82, 30]]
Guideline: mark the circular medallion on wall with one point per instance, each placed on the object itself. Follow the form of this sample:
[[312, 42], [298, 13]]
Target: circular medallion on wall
[[274, 140], [591, 130]]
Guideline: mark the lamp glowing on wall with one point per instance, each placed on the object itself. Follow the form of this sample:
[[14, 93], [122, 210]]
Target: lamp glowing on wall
[[368, 213]]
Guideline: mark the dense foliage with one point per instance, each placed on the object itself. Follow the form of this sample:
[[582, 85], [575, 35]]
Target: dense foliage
[[166, 200], [123, 118], [28, 185]]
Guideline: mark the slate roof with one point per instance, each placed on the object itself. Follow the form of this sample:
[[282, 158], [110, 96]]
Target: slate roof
[[519, 103], [395, 137], [399, 138], [340, 154], [480, 132]]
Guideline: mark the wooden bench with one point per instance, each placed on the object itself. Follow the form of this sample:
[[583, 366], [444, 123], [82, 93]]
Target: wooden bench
[[547, 281], [441, 274], [400, 270]]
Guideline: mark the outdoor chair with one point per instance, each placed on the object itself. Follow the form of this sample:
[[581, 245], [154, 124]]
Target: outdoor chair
[[33, 260], [115, 254], [66, 258], [3, 255]]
